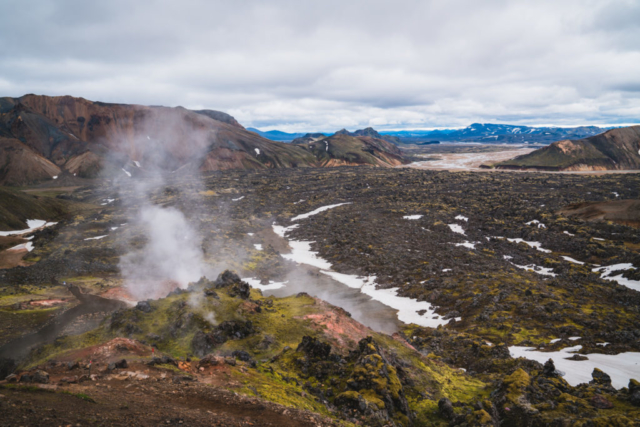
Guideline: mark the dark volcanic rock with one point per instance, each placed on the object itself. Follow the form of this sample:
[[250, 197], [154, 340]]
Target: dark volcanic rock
[[144, 306]]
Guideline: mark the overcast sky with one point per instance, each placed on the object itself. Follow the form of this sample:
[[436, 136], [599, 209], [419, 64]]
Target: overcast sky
[[324, 65]]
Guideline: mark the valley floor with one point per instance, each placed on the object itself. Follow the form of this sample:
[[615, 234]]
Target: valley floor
[[463, 268]]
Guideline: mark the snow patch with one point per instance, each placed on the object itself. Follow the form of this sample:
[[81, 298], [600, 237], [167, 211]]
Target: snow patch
[[605, 273], [537, 269], [55, 177], [412, 217], [407, 307], [467, 244], [137, 163], [456, 228], [33, 225], [317, 211], [535, 221], [96, 238], [568, 234], [575, 261], [462, 218], [620, 367], [257, 151], [258, 246], [302, 254], [536, 245], [28, 246], [127, 172], [238, 199], [255, 283]]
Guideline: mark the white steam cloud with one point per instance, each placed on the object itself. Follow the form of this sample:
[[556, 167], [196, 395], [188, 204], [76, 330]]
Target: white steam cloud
[[172, 256]]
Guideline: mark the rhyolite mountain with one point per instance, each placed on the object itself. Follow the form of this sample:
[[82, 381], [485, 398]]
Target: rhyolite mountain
[[42, 137], [345, 149], [616, 149]]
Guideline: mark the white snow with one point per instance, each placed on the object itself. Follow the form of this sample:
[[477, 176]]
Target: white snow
[[598, 238], [302, 254], [444, 270], [536, 245], [281, 231], [467, 244], [258, 246], [238, 199], [114, 228], [407, 307], [28, 246], [575, 261], [327, 147], [317, 211], [249, 234], [107, 201], [606, 271], [507, 257], [462, 218], [255, 283], [137, 163], [615, 194], [96, 238], [553, 341], [456, 228], [299, 201], [535, 221], [257, 151], [574, 338], [537, 269], [412, 217], [567, 233], [127, 172], [604, 344], [620, 367], [55, 177], [33, 225]]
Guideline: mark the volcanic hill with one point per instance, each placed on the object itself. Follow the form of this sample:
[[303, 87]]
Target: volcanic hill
[[345, 149], [43, 137], [616, 149]]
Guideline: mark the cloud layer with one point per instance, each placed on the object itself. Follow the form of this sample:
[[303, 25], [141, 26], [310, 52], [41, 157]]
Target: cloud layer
[[298, 65]]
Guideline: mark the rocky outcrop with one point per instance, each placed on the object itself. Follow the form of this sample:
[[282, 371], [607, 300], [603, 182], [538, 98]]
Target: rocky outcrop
[[616, 149]]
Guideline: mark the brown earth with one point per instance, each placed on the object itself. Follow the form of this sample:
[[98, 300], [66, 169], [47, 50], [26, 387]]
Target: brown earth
[[625, 212]]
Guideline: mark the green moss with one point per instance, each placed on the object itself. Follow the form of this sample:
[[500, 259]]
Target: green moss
[[515, 385]]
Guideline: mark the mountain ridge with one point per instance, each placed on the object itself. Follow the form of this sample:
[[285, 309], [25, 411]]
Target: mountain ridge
[[616, 149], [42, 137]]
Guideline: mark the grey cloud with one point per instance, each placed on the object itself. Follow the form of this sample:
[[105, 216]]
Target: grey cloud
[[326, 65]]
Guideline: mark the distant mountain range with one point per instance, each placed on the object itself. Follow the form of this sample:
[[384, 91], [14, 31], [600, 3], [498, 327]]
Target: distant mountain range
[[615, 149], [482, 133], [66, 138]]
